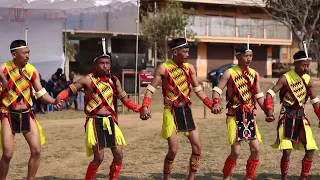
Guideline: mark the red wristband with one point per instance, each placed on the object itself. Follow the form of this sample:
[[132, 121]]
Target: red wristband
[[132, 105], [146, 102], [207, 102], [268, 103], [63, 95], [215, 101]]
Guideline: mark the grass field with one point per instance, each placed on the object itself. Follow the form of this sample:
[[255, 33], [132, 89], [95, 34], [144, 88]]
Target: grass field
[[63, 155]]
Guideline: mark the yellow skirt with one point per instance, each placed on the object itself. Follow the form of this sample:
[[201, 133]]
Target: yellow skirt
[[40, 129], [282, 144], [168, 125], [232, 129], [91, 140]]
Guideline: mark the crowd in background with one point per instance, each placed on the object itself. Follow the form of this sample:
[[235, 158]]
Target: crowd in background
[[57, 83]]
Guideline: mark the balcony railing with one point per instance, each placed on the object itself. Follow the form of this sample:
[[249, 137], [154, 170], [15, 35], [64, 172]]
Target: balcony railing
[[219, 26]]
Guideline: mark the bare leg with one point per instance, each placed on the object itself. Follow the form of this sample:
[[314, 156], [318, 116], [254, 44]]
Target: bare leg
[[117, 154], [116, 165], [7, 147], [307, 160], [98, 156], [33, 139], [172, 152], [194, 139], [95, 163], [253, 160], [231, 161]]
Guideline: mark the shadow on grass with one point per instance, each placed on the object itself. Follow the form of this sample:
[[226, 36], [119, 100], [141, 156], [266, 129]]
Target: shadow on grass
[[98, 175], [205, 176], [219, 176]]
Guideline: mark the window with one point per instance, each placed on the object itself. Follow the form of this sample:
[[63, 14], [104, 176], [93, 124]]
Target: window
[[211, 7], [190, 6]]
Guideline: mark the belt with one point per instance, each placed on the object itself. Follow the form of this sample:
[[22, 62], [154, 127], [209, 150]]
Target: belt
[[20, 111], [297, 112]]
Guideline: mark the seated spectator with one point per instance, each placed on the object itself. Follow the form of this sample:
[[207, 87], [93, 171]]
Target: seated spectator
[[58, 73], [52, 84], [61, 85]]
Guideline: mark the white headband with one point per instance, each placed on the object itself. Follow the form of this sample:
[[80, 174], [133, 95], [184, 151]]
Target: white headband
[[248, 50], [20, 47], [302, 59], [25, 39], [181, 45]]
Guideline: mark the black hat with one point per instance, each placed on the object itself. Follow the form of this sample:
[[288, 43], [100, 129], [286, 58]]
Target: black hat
[[105, 54], [242, 48], [178, 43], [300, 56]]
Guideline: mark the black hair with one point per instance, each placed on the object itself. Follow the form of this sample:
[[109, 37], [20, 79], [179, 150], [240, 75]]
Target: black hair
[[17, 43], [242, 48], [177, 42]]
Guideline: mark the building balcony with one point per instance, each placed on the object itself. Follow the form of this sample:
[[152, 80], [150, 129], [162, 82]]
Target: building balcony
[[220, 29]]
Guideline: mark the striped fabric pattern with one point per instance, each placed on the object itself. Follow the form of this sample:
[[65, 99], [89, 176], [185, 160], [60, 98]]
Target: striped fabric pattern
[[102, 95], [20, 83], [179, 81], [244, 85], [297, 88]]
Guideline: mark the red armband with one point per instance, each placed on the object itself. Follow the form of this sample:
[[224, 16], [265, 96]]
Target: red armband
[[146, 102], [215, 101], [269, 103], [207, 102], [63, 95], [132, 105], [317, 112]]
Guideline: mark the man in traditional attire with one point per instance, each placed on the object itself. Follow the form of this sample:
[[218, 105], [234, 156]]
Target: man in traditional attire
[[243, 91], [294, 130], [101, 92], [178, 77], [17, 115]]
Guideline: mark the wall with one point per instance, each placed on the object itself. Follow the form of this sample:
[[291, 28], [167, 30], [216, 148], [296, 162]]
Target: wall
[[259, 62], [219, 54], [123, 21], [202, 60], [117, 21]]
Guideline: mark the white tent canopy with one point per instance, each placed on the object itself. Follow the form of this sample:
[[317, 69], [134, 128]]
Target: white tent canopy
[[45, 21], [71, 6]]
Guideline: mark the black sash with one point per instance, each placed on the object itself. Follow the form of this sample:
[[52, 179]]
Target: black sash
[[19, 120], [104, 139], [246, 129], [292, 122], [183, 118]]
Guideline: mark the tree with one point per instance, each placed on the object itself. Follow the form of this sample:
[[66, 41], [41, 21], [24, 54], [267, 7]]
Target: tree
[[302, 17], [70, 48], [168, 22]]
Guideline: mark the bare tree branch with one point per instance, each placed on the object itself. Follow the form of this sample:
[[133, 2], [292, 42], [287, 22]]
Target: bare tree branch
[[167, 22], [302, 17]]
